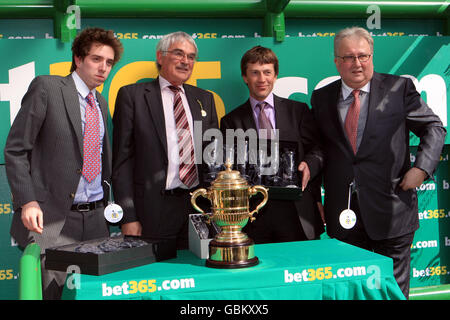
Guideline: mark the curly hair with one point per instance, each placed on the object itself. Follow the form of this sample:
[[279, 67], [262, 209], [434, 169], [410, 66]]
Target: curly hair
[[85, 39]]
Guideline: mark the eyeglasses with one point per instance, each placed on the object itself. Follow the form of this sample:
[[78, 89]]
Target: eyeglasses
[[351, 59], [180, 55]]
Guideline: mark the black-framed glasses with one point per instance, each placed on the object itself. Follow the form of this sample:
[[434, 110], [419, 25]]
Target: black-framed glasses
[[351, 59], [180, 55]]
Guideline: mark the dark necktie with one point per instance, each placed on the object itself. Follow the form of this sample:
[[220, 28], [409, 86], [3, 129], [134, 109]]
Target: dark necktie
[[263, 121], [187, 168], [91, 141], [351, 120]]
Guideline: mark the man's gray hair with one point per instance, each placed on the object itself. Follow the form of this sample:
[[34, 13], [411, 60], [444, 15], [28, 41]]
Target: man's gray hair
[[169, 39], [357, 32]]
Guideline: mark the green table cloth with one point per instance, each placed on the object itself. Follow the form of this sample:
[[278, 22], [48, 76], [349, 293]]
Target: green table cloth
[[307, 270]]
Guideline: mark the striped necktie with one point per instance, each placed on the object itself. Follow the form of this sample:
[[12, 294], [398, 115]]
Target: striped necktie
[[187, 168]]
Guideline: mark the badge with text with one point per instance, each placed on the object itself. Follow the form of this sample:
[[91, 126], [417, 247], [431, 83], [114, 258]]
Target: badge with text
[[203, 112], [347, 218], [113, 212]]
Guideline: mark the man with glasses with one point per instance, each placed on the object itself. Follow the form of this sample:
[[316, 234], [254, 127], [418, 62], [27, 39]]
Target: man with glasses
[[365, 119], [153, 144]]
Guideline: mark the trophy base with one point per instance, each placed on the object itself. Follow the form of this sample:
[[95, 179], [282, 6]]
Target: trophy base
[[231, 256]]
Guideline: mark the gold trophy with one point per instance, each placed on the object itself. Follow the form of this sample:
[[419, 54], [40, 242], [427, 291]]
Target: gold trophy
[[229, 195]]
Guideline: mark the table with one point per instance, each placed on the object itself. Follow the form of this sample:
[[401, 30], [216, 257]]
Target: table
[[306, 270]]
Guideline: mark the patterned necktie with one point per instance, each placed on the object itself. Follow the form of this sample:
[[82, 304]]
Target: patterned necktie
[[187, 168], [351, 120], [263, 121], [91, 141]]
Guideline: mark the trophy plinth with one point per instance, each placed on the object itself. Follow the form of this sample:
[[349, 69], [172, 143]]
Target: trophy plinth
[[231, 256], [229, 195]]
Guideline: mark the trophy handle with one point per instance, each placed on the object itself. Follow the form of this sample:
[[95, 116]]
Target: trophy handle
[[254, 190], [199, 192]]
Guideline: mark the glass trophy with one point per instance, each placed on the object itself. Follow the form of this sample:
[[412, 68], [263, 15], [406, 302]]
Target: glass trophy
[[289, 169], [213, 161], [242, 158]]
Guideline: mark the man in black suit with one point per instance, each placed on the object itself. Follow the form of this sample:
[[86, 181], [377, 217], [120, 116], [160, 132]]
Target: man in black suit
[[280, 220], [58, 197], [153, 145], [364, 120]]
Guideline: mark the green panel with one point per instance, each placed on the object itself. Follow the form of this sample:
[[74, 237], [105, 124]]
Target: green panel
[[30, 287], [430, 254], [10, 253], [4, 127], [172, 8], [348, 9], [26, 9], [310, 58], [430, 293], [244, 27]]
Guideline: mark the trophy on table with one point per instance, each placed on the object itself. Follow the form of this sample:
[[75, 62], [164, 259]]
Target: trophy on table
[[229, 195]]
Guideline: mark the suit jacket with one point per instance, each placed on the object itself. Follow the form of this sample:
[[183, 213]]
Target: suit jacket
[[295, 123], [395, 108], [140, 159], [44, 154]]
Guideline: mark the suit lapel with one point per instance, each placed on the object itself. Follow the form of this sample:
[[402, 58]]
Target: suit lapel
[[281, 117], [333, 100], [248, 120], [376, 104], [72, 105], [155, 106], [103, 107], [194, 104], [106, 145]]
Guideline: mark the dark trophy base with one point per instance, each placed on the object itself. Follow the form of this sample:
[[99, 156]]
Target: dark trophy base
[[231, 255]]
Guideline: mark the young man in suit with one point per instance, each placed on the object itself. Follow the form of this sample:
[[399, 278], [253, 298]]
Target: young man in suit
[[153, 146], [280, 220], [364, 120], [58, 155]]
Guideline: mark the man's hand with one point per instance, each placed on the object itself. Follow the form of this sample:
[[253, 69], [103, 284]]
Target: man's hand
[[132, 229], [304, 169], [413, 178], [32, 217]]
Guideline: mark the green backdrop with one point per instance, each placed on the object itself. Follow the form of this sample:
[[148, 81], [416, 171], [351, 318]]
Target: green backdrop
[[305, 61]]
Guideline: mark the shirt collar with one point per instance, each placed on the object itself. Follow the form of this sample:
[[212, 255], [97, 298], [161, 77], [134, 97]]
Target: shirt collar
[[268, 100], [346, 90], [163, 84], [82, 88]]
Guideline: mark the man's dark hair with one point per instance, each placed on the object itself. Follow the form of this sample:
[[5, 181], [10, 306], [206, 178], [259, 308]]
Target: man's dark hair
[[89, 36]]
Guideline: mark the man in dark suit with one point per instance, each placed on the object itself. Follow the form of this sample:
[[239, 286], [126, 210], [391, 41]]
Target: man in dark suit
[[365, 119], [55, 172], [280, 220], [153, 145]]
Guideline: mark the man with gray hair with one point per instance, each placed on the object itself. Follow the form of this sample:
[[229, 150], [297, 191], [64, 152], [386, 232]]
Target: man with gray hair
[[370, 186], [153, 146]]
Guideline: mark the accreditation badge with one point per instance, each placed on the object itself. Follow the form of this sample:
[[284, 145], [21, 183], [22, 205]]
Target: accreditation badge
[[113, 213], [347, 219]]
